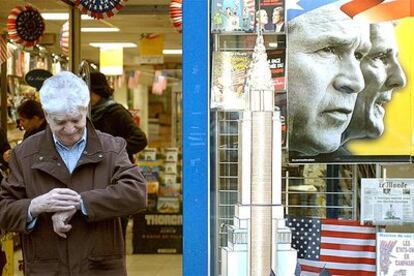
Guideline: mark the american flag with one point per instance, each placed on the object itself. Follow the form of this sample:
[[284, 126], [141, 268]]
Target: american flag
[[160, 82], [296, 8], [341, 247], [4, 51]]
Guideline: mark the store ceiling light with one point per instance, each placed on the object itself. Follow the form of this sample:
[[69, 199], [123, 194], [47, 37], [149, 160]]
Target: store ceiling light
[[62, 16], [172, 52], [113, 44], [99, 30]]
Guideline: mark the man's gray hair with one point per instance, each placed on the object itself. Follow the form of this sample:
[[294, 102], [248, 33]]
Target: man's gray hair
[[64, 93]]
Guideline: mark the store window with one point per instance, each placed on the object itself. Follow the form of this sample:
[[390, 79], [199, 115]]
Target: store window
[[282, 188]]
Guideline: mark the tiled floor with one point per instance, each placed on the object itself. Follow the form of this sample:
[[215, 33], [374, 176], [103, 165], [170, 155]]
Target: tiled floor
[[138, 265], [141, 265]]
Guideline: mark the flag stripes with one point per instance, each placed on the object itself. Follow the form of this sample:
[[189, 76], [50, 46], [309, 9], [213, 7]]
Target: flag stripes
[[4, 50]]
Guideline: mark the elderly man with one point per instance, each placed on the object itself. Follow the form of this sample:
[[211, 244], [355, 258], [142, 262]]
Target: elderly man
[[383, 74], [68, 186], [325, 50]]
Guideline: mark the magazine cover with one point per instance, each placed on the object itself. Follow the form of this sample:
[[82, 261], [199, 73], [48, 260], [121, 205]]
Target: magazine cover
[[232, 15], [349, 104], [276, 60], [270, 16], [168, 204], [228, 78], [395, 254]]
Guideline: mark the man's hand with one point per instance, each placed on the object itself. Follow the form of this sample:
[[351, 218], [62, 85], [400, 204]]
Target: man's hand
[[56, 200], [60, 222]]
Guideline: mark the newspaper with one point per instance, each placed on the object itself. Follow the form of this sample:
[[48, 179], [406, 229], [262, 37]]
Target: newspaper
[[387, 202]]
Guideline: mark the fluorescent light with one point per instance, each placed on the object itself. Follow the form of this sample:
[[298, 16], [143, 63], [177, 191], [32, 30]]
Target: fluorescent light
[[172, 52], [55, 16], [113, 44], [86, 17], [62, 16], [99, 30]]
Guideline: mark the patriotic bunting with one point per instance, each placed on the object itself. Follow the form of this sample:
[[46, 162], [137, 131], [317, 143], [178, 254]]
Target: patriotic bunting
[[176, 14], [25, 25], [100, 9]]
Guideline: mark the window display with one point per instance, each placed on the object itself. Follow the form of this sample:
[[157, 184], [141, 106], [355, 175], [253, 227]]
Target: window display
[[248, 72], [363, 122], [248, 113]]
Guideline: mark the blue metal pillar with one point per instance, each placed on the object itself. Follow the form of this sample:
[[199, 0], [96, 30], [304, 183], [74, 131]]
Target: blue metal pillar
[[195, 138]]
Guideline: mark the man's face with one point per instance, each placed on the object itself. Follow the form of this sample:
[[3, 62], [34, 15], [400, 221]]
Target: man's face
[[276, 16], [382, 73], [325, 49], [68, 128]]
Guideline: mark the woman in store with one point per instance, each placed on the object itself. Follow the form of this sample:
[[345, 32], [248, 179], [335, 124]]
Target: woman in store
[[31, 117]]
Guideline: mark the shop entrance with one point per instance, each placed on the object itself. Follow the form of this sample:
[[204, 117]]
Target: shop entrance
[[138, 49]]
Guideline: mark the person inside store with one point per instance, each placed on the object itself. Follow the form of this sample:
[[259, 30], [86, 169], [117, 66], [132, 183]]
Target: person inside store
[[68, 185], [325, 50], [383, 75], [113, 118], [31, 117], [4, 148]]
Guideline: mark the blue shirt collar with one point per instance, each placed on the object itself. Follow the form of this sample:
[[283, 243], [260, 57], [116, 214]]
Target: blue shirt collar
[[81, 140]]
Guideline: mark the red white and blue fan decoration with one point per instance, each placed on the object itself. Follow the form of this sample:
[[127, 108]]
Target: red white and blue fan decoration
[[25, 25], [64, 38], [100, 9], [176, 14]]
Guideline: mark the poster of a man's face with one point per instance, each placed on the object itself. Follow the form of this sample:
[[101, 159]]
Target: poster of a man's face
[[342, 75], [324, 77], [383, 74]]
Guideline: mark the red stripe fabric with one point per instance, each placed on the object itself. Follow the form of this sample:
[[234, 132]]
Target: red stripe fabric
[[348, 235], [334, 246], [347, 260]]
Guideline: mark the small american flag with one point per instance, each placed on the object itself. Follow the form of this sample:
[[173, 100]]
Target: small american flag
[[341, 247], [160, 82], [4, 51]]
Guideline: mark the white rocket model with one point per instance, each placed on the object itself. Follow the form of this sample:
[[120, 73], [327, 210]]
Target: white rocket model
[[259, 235]]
